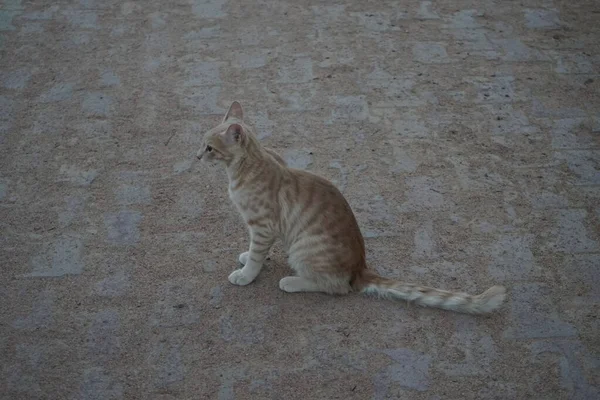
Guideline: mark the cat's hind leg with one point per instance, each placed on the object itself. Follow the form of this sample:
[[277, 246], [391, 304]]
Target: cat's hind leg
[[315, 275], [292, 284]]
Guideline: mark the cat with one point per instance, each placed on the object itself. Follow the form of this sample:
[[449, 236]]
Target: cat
[[315, 222]]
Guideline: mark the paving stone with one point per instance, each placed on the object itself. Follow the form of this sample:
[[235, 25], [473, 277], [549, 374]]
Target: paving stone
[[103, 341], [569, 63], [533, 315], [581, 271], [479, 350], [62, 257], [248, 331], [123, 227], [410, 369], [400, 92], [475, 42], [499, 89], [297, 98], [465, 19], [16, 79], [6, 19], [229, 376], [325, 14], [300, 159], [570, 134], [251, 59], [109, 78], [541, 19], [571, 233], [547, 200], [573, 356], [498, 390], [182, 166], [423, 193], [430, 53], [189, 203], [98, 131], [32, 355], [425, 246], [583, 164], [41, 315], [99, 385], [377, 21], [3, 190], [596, 124], [425, 11], [177, 306], [21, 382], [167, 362], [80, 19], [516, 50], [226, 328], [209, 8], [209, 266], [251, 35], [299, 70], [42, 15], [133, 194], [403, 161], [7, 108], [204, 100], [349, 108], [263, 126], [540, 110], [76, 175], [508, 120], [114, 285], [512, 258], [158, 20], [343, 55], [207, 32], [202, 74], [216, 296], [375, 217], [410, 126], [97, 104]]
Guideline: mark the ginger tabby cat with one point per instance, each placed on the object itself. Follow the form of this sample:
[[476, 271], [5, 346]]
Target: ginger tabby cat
[[314, 221]]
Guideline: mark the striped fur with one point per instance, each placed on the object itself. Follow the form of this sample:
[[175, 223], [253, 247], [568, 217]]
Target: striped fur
[[315, 223]]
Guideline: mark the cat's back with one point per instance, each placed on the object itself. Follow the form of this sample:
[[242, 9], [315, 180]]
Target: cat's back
[[313, 187], [314, 204]]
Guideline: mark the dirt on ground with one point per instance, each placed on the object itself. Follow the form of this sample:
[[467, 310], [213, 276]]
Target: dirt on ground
[[464, 134]]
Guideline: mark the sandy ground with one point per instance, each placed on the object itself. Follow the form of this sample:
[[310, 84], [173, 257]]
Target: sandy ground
[[465, 135]]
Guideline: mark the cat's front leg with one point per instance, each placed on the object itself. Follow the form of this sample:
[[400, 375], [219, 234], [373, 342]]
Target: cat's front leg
[[260, 244]]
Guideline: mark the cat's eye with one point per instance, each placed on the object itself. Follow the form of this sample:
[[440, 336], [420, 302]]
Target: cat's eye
[[208, 148]]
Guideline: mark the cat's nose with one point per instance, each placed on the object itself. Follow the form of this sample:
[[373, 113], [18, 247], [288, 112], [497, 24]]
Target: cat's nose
[[199, 154]]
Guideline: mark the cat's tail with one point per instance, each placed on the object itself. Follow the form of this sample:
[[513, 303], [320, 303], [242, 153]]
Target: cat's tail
[[483, 303]]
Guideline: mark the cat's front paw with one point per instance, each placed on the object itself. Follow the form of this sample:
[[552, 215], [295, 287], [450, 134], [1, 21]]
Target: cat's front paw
[[237, 277]]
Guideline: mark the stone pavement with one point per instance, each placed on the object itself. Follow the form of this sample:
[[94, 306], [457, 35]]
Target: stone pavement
[[465, 135]]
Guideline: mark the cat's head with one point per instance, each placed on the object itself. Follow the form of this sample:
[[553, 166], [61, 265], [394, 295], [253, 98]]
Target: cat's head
[[228, 140]]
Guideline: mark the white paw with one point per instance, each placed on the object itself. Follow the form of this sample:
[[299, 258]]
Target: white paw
[[237, 277], [288, 284], [243, 257]]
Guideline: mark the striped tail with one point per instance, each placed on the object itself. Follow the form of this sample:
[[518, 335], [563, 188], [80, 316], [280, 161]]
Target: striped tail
[[483, 303]]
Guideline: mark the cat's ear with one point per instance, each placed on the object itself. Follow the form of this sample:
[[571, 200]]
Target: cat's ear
[[234, 134], [235, 111]]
